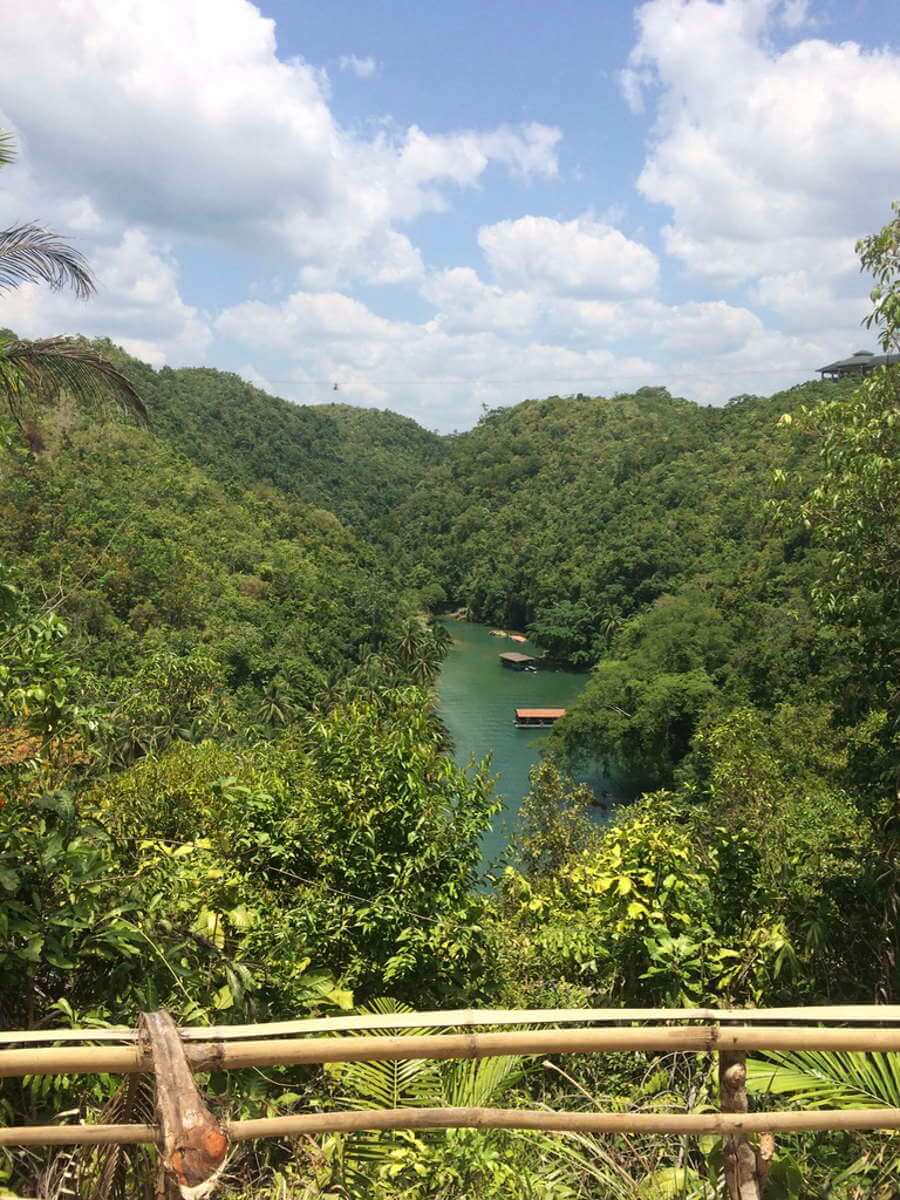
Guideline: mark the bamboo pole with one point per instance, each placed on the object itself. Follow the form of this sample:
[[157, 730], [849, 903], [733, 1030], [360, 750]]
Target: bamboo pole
[[512, 1118], [78, 1135], [690, 1124], [211, 1056], [462, 1017]]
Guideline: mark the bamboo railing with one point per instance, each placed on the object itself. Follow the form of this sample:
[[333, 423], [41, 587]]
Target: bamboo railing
[[194, 1143], [287, 1052]]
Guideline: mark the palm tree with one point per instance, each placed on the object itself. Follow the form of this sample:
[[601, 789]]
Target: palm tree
[[38, 370]]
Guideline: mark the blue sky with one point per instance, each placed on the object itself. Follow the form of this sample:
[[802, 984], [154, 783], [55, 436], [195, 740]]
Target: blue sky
[[441, 206]]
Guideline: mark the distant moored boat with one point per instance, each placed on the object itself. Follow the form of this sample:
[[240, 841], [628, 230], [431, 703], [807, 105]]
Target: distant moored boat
[[527, 718], [515, 661]]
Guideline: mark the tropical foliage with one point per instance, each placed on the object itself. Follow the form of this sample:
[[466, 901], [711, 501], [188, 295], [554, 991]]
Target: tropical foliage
[[225, 788]]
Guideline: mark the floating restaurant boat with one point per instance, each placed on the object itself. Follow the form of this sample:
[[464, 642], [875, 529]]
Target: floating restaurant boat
[[529, 718], [515, 661]]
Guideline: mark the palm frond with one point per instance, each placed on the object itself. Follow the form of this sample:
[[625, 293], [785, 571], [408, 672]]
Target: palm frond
[[822, 1079], [478, 1083], [108, 1172], [31, 254], [34, 368], [107, 1176], [587, 1158], [408, 1083], [7, 147]]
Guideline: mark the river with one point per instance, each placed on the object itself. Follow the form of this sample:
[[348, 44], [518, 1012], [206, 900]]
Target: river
[[477, 698]]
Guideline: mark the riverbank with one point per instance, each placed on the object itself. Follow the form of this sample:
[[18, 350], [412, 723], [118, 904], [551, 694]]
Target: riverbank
[[477, 703]]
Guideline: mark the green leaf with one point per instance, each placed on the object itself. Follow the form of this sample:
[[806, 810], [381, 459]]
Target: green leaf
[[828, 1079], [668, 1183], [223, 998], [32, 951], [243, 918], [9, 880], [56, 958]]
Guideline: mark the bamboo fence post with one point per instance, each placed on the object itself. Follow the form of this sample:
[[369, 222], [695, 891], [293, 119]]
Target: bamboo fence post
[[741, 1167], [870, 1014], [193, 1143], [765, 1152]]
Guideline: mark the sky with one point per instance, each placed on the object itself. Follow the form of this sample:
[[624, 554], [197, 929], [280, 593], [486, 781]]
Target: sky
[[438, 207]]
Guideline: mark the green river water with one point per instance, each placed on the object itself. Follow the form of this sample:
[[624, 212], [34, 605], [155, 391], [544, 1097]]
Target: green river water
[[477, 702]]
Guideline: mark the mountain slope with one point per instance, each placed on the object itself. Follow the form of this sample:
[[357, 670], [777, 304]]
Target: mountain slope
[[144, 553], [358, 463], [604, 504]]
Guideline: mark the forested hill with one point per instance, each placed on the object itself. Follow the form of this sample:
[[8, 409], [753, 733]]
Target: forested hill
[[189, 590], [612, 528], [568, 514], [565, 513], [358, 463], [571, 514]]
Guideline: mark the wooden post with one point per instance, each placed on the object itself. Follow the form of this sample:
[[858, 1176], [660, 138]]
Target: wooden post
[[741, 1168], [194, 1144]]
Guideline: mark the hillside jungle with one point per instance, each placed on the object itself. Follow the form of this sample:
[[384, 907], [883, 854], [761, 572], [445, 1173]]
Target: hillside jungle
[[226, 792]]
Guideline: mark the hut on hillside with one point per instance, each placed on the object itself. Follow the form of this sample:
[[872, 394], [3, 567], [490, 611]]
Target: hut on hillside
[[860, 363]]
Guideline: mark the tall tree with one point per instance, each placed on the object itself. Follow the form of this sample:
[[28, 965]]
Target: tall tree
[[854, 514]]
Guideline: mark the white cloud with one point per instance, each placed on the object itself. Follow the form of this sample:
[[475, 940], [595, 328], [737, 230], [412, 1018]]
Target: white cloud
[[362, 68], [181, 117], [804, 301], [795, 13], [303, 316], [699, 330], [581, 257], [770, 160], [485, 345], [466, 304], [146, 128], [436, 370], [766, 362]]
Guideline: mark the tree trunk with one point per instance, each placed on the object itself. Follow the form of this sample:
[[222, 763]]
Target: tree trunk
[[742, 1173]]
